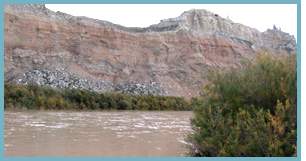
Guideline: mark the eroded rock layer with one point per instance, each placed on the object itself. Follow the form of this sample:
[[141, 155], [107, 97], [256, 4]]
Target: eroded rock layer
[[170, 58]]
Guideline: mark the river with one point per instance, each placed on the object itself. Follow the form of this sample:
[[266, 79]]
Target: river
[[114, 133]]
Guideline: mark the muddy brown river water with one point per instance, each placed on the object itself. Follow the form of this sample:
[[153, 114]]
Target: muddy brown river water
[[126, 133]]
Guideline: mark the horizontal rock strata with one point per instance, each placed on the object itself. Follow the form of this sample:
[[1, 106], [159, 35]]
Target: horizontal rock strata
[[169, 58]]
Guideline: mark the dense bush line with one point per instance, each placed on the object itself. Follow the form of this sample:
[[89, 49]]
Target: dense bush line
[[46, 98], [250, 111]]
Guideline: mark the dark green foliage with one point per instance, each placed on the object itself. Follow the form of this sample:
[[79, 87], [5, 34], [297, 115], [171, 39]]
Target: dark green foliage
[[250, 111], [35, 97]]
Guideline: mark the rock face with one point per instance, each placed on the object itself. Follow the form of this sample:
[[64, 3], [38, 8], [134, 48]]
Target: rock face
[[169, 58]]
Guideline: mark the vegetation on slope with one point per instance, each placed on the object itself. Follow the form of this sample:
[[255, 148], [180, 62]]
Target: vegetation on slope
[[46, 98], [248, 112]]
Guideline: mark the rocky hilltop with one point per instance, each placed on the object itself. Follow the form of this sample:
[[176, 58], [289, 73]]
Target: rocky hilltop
[[170, 58]]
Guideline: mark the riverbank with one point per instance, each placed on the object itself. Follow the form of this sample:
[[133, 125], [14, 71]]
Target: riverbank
[[32, 97]]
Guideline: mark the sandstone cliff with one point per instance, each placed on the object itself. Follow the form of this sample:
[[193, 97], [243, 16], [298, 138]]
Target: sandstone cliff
[[169, 58]]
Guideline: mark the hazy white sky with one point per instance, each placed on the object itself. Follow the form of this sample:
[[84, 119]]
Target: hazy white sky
[[259, 16]]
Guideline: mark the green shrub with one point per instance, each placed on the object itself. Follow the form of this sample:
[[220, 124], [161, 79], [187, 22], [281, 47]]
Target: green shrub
[[46, 98], [250, 111]]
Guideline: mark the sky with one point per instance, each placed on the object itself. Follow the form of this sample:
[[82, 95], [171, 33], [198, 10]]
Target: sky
[[259, 16]]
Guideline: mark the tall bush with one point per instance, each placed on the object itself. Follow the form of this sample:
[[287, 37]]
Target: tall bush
[[248, 111]]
